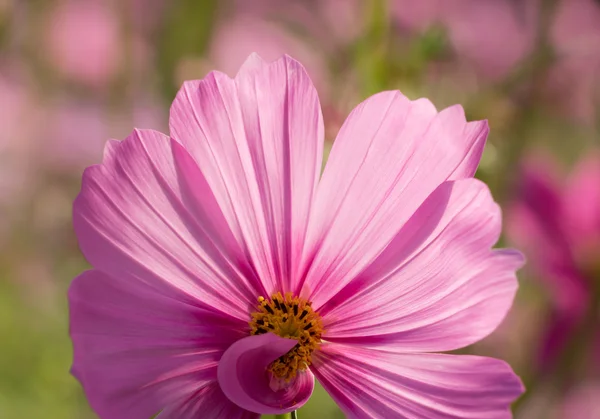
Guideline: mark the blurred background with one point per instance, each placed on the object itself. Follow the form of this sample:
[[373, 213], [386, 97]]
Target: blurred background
[[74, 73]]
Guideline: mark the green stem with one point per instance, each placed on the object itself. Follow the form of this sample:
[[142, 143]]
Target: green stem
[[292, 415]]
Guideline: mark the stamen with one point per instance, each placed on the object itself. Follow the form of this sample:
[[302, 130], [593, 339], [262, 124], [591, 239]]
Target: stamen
[[306, 329]]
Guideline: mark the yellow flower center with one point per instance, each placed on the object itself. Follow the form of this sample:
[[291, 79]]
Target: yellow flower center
[[293, 318]]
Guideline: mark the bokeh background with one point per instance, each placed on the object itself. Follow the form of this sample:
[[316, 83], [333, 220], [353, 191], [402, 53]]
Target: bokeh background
[[74, 73]]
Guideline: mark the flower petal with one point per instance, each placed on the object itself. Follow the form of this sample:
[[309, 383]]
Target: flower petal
[[147, 215], [259, 142], [368, 383], [538, 194], [538, 224], [438, 286], [137, 350], [557, 333], [389, 156], [245, 381], [582, 204], [207, 403]]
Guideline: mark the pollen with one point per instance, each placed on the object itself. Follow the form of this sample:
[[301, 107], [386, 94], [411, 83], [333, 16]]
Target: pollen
[[293, 318]]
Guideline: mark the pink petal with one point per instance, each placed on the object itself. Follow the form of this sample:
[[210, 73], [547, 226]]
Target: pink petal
[[147, 215], [245, 381], [138, 350], [207, 403], [558, 333], [389, 156], [549, 257], [438, 286], [538, 223], [539, 190], [368, 383], [582, 203], [259, 142]]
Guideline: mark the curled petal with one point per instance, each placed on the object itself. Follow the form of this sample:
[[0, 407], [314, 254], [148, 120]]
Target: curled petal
[[244, 379]]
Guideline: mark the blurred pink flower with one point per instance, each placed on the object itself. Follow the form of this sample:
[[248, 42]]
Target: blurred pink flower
[[492, 35], [19, 122], [76, 134], [330, 24], [344, 19], [575, 36], [146, 15], [83, 41], [417, 15], [558, 226], [495, 36], [77, 130], [13, 101], [205, 241], [583, 402]]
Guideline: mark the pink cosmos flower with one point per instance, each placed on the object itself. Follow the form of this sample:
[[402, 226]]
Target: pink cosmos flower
[[559, 226], [227, 275]]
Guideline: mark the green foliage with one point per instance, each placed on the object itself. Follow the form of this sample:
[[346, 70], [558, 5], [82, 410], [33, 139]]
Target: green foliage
[[36, 357], [186, 31]]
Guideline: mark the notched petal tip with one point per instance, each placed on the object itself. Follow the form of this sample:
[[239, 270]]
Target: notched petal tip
[[243, 376], [110, 149], [253, 63]]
